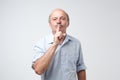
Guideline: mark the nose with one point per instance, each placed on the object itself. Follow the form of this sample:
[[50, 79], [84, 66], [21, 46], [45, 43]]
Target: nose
[[58, 21]]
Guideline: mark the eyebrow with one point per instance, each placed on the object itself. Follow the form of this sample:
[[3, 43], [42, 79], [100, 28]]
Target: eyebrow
[[60, 17]]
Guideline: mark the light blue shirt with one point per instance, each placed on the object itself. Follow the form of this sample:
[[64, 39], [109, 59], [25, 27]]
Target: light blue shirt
[[67, 60]]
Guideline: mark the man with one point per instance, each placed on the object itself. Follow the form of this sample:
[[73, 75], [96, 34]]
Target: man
[[59, 56]]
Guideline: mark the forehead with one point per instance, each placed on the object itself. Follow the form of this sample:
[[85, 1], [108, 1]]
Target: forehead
[[58, 13]]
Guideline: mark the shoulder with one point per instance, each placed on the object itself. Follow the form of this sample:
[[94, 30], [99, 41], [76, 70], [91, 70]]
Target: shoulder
[[73, 39], [44, 40], [75, 43]]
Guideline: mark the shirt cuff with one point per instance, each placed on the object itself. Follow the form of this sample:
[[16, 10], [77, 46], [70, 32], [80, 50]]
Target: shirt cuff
[[81, 67]]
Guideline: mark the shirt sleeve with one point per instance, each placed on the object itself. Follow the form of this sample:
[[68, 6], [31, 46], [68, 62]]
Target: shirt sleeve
[[38, 53], [80, 61], [38, 50]]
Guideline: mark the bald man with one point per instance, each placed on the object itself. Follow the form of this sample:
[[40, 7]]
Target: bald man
[[58, 56]]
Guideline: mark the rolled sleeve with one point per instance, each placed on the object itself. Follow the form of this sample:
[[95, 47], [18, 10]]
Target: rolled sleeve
[[38, 53], [81, 67], [80, 62]]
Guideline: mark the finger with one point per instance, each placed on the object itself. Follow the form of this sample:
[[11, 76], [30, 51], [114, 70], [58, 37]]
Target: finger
[[64, 34], [60, 35], [57, 30]]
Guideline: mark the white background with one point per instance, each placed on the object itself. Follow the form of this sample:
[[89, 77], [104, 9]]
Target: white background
[[96, 23]]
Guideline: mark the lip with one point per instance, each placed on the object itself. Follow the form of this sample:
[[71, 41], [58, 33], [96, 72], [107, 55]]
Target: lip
[[58, 25]]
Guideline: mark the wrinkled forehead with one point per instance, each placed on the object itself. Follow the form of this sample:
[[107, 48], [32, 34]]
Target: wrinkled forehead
[[58, 12]]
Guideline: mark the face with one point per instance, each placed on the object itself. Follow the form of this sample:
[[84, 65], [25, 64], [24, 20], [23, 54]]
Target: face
[[58, 19]]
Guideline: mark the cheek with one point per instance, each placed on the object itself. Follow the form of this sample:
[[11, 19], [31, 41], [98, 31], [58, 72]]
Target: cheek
[[65, 23], [53, 28], [53, 22], [63, 29]]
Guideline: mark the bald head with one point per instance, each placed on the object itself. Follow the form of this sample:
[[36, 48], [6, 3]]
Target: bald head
[[60, 10]]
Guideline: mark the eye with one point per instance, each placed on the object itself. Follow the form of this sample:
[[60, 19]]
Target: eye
[[54, 19], [63, 18]]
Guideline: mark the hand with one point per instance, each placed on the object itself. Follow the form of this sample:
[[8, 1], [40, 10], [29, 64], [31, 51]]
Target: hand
[[59, 36]]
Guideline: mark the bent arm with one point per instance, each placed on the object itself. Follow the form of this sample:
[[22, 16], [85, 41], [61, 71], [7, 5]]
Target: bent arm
[[81, 75], [42, 63]]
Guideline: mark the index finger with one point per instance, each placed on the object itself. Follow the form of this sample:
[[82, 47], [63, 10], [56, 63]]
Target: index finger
[[57, 30]]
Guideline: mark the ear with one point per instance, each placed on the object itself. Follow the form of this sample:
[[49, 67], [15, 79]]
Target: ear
[[67, 24], [49, 24]]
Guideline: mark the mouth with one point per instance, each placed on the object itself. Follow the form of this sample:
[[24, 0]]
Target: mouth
[[59, 25]]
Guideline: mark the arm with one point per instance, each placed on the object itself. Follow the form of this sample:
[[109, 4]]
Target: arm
[[81, 75], [42, 63]]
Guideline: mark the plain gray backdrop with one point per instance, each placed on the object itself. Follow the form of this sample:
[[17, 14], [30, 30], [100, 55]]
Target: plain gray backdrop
[[96, 23]]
